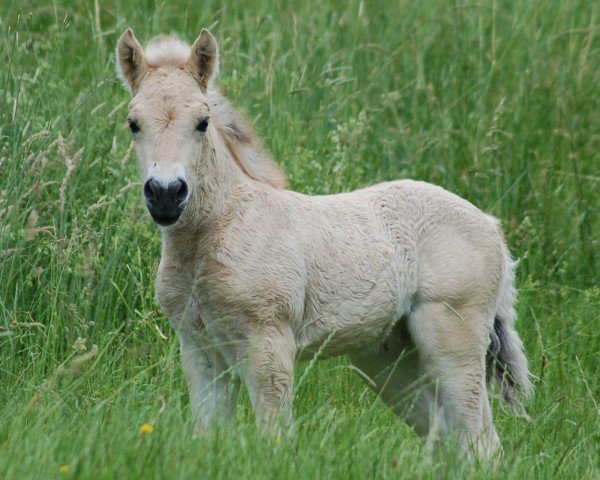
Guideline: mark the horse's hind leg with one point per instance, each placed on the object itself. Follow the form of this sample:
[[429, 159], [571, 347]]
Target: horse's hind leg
[[452, 343], [393, 371]]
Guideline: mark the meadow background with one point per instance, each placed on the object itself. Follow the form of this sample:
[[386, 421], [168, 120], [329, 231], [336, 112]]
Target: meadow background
[[497, 101]]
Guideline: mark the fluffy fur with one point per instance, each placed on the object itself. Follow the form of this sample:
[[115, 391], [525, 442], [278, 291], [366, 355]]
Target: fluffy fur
[[405, 278]]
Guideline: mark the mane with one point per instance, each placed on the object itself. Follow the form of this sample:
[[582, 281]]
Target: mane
[[244, 146], [171, 53], [167, 52]]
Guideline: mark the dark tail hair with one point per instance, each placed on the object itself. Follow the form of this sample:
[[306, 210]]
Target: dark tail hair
[[506, 364], [505, 361]]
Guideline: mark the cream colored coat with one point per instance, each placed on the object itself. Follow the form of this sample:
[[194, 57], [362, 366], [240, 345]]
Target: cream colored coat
[[410, 281]]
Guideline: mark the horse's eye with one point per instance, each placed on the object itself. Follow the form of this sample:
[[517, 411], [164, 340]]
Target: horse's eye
[[202, 125], [134, 126]]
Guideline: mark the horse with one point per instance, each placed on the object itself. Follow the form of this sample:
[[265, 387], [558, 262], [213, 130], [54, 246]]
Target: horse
[[414, 284]]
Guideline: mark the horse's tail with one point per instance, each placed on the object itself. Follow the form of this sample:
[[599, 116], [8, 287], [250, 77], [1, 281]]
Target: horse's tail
[[506, 361]]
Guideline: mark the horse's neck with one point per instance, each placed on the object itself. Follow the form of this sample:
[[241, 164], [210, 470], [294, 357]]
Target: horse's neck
[[219, 176]]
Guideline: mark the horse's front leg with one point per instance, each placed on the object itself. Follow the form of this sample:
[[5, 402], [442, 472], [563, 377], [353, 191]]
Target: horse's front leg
[[269, 376], [211, 384]]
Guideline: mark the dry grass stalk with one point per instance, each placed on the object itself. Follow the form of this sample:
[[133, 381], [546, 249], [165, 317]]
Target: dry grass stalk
[[71, 163]]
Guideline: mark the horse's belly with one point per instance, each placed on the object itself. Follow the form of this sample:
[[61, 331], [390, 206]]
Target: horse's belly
[[351, 323], [333, 336]]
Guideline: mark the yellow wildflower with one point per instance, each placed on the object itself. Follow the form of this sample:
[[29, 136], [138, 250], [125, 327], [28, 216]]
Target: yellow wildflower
[[146, 429], [277, 440], [64, 469]]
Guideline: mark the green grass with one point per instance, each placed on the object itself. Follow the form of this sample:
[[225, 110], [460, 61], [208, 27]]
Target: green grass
[[498, 102]]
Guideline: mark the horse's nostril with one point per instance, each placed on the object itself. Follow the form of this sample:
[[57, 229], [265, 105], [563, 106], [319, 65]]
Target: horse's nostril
[[182, 191], [150, 190]]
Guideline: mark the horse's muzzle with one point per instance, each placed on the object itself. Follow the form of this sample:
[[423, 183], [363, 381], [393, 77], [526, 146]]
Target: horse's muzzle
[[165, 202]]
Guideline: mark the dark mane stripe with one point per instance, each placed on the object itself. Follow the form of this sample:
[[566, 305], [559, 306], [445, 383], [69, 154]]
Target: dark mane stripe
[[243, 145]]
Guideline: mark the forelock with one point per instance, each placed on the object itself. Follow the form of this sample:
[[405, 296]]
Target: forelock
[[167, 52]]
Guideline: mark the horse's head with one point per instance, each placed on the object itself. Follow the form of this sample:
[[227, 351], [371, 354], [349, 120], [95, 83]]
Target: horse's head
[[169, 115]]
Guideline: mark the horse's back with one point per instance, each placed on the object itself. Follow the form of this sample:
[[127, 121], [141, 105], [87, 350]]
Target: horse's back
[[437, 244]]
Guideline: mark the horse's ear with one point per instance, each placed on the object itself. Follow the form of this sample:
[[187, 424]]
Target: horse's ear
[[131, 62], [204, 59]]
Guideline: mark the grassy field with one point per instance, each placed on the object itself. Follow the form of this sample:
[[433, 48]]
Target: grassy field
[[496, 101]]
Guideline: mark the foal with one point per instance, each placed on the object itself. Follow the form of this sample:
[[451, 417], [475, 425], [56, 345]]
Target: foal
[[413, 283]]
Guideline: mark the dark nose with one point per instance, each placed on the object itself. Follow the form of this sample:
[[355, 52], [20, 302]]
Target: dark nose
[[165, 202]]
